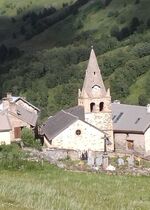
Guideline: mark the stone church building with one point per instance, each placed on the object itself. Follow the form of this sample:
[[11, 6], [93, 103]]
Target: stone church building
[[96, 118]]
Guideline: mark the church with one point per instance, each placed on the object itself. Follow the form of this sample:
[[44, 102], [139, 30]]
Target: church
[[96, 123]]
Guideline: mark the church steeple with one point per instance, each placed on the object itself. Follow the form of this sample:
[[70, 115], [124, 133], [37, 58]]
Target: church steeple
[[94, 96], [96, 100], [93, 85]]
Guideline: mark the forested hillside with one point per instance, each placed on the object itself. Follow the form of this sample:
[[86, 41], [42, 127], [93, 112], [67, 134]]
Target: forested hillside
[[45, 45]]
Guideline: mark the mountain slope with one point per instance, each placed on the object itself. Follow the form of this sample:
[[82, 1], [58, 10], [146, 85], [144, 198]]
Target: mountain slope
[[54, 45]]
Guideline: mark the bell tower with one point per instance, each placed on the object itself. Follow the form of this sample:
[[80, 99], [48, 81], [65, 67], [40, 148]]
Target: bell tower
[[96, 100]]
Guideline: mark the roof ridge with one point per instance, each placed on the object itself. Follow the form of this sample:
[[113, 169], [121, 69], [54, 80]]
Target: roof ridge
[[70, 114]]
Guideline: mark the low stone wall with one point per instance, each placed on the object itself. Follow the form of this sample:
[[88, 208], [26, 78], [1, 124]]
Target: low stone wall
[[60, 154]]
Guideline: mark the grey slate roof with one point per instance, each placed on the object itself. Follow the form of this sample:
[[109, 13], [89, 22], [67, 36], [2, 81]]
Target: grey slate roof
[[93, 78], [130, 118], [4, 122], [26, 115], [57, 124], [63, 119], [78, 111]]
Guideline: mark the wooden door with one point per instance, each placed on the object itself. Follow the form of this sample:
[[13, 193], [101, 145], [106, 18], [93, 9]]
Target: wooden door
[[130, 144], [17, 132]]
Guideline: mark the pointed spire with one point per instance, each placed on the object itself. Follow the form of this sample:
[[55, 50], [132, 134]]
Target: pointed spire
[[93, 83]]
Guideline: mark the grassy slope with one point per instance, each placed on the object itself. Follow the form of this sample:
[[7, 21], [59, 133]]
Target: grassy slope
[[55, 189], [93, 18], [136, 89], [99, 20], [9, 7]]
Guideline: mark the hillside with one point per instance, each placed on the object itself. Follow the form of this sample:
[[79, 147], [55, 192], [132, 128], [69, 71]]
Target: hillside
[[45, 46]]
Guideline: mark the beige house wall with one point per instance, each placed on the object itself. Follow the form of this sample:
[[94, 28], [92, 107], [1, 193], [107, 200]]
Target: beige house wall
[[121, 141], [5, 137], [89, 139], [147, 140]]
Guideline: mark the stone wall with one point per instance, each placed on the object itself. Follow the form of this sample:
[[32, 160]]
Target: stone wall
[[60, 154], [103, 121]]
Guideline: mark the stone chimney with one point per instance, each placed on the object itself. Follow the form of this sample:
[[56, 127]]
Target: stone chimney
[[116, 102], [6, 101], [9, 96], [148, 108]]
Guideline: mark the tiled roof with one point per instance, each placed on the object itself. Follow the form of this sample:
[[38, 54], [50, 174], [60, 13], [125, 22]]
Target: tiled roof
[[78, 111], [130, 118], [57, 124], [26, 115]]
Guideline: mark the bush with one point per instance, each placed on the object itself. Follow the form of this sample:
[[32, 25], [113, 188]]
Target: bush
[[114, 31], [142, 100], [28, 138], [122, 19]]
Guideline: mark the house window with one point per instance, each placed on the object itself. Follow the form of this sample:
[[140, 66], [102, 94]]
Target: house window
[[17, 132], [130, 144], [78, 132]]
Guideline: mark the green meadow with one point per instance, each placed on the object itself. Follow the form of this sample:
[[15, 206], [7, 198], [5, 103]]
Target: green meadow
[[50, 188]]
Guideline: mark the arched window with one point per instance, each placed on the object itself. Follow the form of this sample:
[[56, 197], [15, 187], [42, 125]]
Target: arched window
[[101, 106], [92, 107]]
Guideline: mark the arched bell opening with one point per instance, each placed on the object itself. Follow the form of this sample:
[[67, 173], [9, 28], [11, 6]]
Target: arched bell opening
[[101, 106], [92, 107]]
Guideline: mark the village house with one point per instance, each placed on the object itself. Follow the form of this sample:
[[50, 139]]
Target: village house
[[131, 125], [127, 127], [15, 114]]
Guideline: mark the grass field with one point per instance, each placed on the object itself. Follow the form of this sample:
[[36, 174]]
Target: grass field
[[56, 189]]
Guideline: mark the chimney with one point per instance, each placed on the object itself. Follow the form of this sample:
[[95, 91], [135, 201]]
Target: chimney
[[148, 108], [116, 102], [6, 101], [9, 96]]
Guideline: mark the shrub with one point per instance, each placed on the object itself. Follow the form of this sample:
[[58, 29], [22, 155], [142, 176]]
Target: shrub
[[137, 1], [114, 31], [142, 100], [148, 23], [122, 19], [28, 138]]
